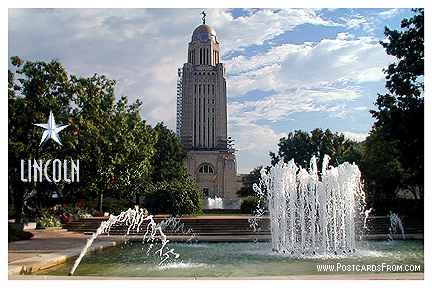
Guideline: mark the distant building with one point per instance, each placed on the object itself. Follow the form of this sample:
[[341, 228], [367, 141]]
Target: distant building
[[202, 117]]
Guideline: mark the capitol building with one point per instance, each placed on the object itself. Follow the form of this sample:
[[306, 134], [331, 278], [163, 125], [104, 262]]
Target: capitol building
[[202, 118]]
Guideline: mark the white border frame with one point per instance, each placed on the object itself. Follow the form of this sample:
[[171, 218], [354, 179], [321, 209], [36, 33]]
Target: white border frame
[[224, 4]]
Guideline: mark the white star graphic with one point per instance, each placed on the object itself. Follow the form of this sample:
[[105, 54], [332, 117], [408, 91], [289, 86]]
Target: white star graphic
[[51, 130]]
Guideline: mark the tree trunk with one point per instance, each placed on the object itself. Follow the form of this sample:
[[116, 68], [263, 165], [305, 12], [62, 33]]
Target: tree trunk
[[19, 203], [100, 201]]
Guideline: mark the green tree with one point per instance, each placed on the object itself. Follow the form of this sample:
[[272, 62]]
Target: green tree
[[114, 145], [253, 177], [168, 160], [177, 197], [400, 112], [120, 155], [34, 89], [381, 168], [301, 146]]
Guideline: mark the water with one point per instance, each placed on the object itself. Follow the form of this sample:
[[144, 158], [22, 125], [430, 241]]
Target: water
[[214, 203], [221, 203], [135, 219], [315, 219], [395, 226], [176, 226], [234, 259], [310, 212]]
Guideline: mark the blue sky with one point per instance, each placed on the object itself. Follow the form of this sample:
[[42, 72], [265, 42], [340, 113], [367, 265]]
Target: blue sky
[[287, 69]]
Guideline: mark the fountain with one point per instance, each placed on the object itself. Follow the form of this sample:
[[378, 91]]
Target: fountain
[[395, 225], [134, 220], [214, 203], [311, 213], [313, 216], [176, 226]]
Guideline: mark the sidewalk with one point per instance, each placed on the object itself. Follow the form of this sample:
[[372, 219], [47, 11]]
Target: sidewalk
[[48, 248]]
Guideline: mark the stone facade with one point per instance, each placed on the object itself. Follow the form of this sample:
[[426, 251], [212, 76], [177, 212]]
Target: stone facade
[[215, 172], [202, 121]]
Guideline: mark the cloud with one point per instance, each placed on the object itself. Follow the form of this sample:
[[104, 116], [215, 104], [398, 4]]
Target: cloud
[[389, 13], [308, 77], [279, 107], [260, 25], [355, 136], [358, 21], [131, 46], [254, 142], [309, 65]]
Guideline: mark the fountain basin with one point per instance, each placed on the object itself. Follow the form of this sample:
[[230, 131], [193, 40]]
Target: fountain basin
[[234, 259]]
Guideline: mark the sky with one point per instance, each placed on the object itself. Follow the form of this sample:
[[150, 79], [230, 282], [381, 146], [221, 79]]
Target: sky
[[287, 69]]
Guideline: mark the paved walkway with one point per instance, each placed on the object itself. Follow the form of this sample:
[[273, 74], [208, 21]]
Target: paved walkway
[[48, 248]]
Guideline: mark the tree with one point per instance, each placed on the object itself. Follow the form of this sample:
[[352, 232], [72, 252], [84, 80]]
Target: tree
[[120, 155], [34, 89], [399, 116], [168, 161], [253, 177], [381, 168], [177, 197], [114, 145], [301, 146]]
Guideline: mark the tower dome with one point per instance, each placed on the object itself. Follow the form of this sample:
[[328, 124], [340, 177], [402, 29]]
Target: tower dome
[[204, 28], [203, 33], [204, 47]]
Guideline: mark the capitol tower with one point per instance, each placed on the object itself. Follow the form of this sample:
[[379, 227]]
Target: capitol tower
[[202, 117]]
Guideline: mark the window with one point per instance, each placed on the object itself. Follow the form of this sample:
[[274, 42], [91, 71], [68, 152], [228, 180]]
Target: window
[[206, 169]]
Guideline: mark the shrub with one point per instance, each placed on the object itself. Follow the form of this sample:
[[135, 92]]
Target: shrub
[[178, 197], [82, 213], [249, 204], [67, 214], [115, 206], [47, 219], [15, 234]]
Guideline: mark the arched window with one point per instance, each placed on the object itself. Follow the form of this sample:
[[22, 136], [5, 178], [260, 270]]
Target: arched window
[[206, 169]]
